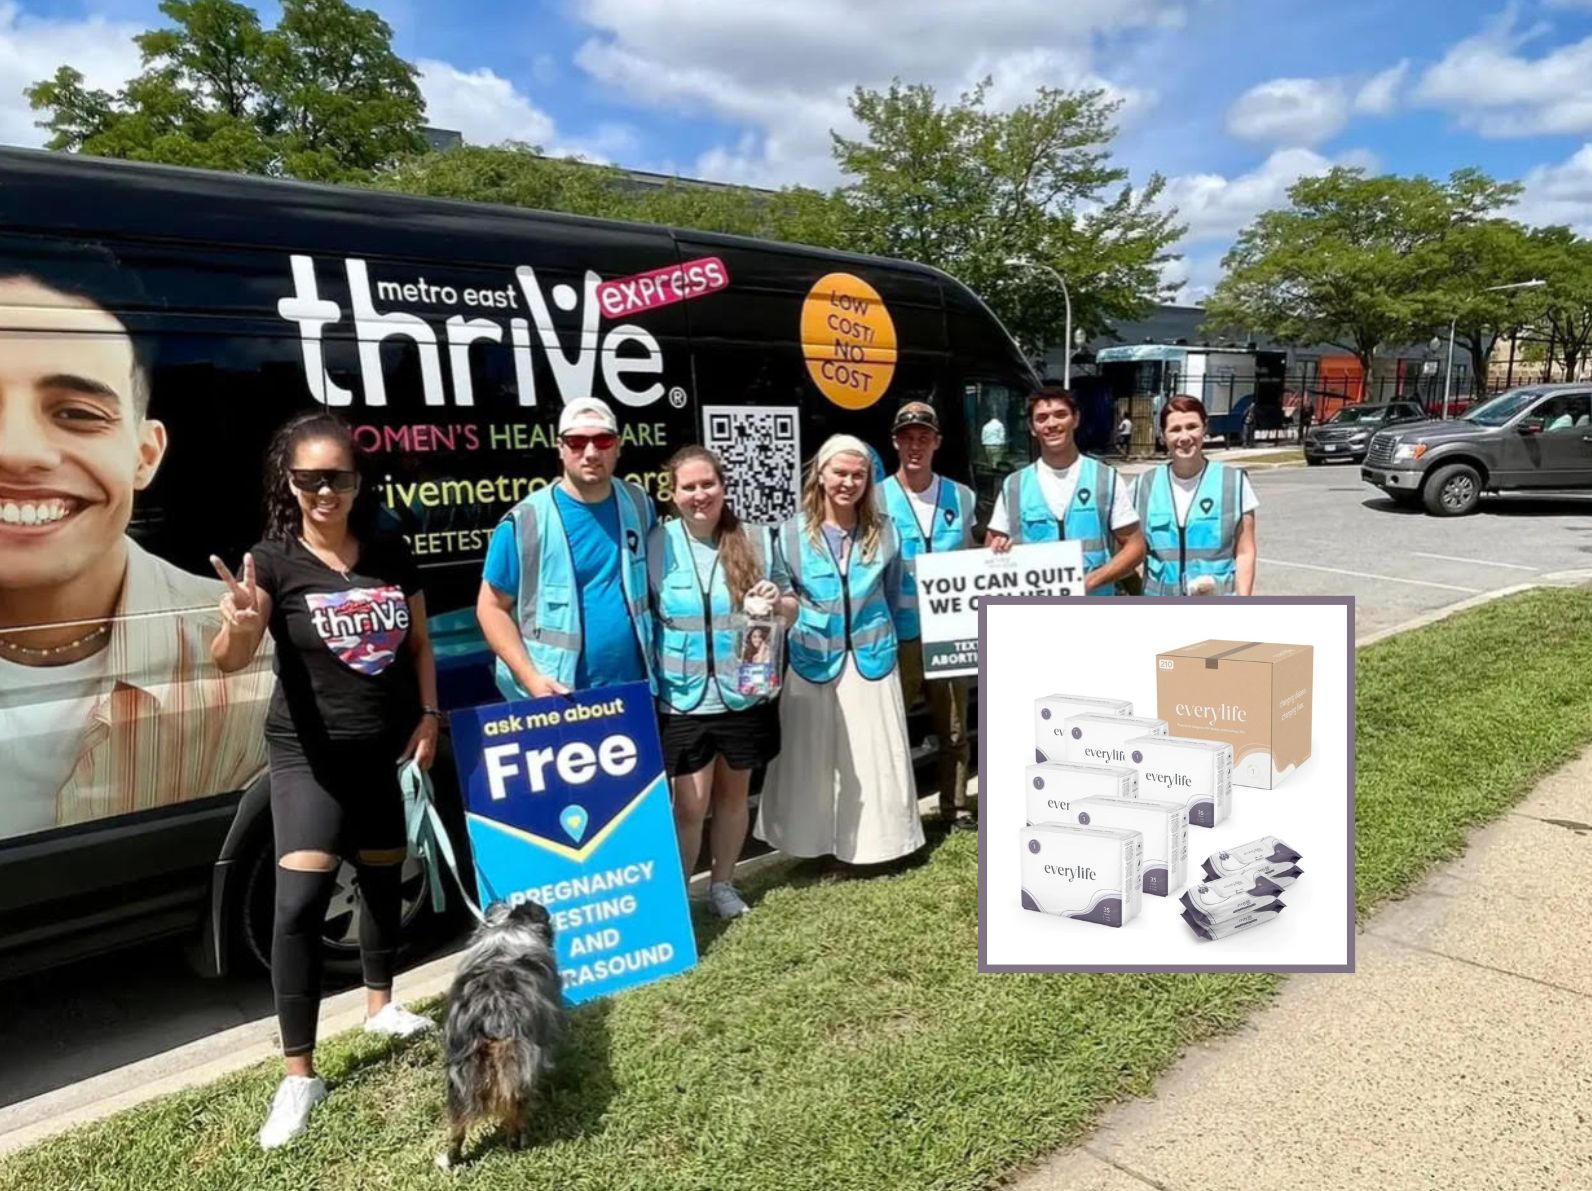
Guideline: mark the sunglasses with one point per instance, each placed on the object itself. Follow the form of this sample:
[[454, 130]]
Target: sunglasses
[[313, 479], [579, 442]]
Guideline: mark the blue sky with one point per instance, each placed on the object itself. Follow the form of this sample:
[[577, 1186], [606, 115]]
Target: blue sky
[[1230, 100]]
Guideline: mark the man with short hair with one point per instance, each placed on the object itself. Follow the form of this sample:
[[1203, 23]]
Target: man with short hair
[[1067, 495], [109, 703], [931, 513], [563, 600]]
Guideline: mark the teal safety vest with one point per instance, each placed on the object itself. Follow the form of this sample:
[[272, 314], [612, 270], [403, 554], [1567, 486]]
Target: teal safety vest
[[1204, 544], [549, 604], [951, 529], [1088, 519], [684, 611], [837, 613]]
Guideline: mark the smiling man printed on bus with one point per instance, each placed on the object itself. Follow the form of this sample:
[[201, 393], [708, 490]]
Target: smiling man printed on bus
[[108, 701]]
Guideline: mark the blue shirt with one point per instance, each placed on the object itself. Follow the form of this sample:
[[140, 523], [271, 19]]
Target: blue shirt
[[609, 652]]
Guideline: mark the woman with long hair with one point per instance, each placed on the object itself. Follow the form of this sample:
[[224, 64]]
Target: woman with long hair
[[704, 568], [356, 695], [845, 786], [1198, 514]]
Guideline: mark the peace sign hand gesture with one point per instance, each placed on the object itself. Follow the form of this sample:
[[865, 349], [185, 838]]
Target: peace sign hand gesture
[[240, 603]]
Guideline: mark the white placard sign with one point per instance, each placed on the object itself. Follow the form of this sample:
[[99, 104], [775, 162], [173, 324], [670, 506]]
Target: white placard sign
[[950, 586]]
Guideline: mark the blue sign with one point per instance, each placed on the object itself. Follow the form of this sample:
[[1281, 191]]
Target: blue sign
[[567, 804]]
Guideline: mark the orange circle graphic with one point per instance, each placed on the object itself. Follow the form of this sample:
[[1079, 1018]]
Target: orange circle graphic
[[848, 340]]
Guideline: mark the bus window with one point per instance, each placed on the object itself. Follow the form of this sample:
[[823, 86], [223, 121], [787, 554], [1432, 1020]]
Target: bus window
[[999, 411]]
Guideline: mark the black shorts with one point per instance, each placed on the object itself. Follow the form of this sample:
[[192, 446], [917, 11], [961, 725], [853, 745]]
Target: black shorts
[[337, 796], [745, 739]]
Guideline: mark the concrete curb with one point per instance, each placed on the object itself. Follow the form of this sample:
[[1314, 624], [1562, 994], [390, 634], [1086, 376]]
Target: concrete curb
[[28, 1122]]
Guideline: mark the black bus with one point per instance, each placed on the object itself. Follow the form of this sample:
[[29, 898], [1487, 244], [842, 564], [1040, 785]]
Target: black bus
[[133, 800]]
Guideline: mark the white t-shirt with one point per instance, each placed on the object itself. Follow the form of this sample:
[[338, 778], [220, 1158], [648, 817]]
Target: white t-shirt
[[923, 505], [1183, 495], [1057, 486], [44, 711]]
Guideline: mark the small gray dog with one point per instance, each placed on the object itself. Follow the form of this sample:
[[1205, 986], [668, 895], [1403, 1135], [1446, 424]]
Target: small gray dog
[[505, 1020]]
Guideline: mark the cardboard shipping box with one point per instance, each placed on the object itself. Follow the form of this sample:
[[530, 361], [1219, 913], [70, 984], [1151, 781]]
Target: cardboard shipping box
[[1251, 694]]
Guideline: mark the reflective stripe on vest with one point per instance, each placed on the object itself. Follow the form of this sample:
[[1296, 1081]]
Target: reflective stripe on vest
[[837, 614], [681, 664], [1088, 520], [1206, 544], [950, 529], [548, 604]]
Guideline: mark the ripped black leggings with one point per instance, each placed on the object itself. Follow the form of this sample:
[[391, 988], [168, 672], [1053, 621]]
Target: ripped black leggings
[[340, 798]]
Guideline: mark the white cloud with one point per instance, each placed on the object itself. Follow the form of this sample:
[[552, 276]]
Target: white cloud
[[1495, 89], [1379, 95], [783, 73], [1290, 112], [488, 110], [1216, 207], [1559, 193], [32, 47]]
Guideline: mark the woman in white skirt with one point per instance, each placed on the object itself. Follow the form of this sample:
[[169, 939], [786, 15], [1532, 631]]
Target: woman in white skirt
[[843, 784]]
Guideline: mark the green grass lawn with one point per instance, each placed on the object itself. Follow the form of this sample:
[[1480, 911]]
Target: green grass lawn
[[841, 1037]]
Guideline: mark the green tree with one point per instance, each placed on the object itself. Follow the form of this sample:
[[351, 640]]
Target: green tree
[[967, 190], [321, 96], [1354, 261], [1564, 261], [518, 175]]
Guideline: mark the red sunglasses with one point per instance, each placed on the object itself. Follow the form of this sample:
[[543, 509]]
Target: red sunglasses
[[579, 442]]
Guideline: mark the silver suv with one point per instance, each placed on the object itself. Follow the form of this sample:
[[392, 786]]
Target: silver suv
[[1538, 437]]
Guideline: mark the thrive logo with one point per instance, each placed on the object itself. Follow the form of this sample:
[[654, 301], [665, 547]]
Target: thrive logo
[[629, 353]]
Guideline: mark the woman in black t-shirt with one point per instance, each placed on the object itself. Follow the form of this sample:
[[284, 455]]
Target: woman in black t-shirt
[[356, 693]]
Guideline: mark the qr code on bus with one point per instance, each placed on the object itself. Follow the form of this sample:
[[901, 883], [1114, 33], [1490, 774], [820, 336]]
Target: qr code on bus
[[761, 449]]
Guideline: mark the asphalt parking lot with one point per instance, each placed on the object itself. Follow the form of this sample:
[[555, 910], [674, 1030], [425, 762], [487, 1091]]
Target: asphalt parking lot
[[1322, 532]]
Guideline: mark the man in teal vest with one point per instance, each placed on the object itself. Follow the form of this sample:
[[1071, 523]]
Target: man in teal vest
[[1067, 495], [563, 600], [931, 513]]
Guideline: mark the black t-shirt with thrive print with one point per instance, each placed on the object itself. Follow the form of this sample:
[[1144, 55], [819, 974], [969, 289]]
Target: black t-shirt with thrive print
[[342, 659]]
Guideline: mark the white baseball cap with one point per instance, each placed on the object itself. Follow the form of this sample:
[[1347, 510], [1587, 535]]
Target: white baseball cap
[[590, 414]]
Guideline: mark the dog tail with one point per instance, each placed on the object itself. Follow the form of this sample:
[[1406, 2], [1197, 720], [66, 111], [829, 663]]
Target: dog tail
[[502, 1080]]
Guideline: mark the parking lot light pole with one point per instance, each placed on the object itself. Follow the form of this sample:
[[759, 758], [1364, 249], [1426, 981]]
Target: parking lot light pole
[[1020, 262], [1448, 369]]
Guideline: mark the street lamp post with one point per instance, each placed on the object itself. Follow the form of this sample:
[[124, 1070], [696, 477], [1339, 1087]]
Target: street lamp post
[[1448, 369], [1018, 262]]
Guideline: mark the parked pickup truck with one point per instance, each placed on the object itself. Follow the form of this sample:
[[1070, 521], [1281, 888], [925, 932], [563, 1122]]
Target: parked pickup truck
[[1531, 438]]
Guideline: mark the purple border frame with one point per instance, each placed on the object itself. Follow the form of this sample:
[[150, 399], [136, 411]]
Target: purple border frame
[[983, 773]]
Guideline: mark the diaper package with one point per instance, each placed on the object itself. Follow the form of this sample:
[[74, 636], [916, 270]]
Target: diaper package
[[1051, 710], [1198, 773], [1053, 787], [1253, 695], [1089, 873], [1164, 826], [1098, 739]]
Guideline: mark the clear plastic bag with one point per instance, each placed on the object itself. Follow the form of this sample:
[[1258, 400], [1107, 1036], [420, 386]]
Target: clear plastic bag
[[759, 655]]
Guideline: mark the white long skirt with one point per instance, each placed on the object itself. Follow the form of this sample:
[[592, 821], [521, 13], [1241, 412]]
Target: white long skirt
[[842, 784]]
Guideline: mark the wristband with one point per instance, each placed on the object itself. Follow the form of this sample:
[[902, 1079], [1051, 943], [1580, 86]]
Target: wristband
[[431, 711]]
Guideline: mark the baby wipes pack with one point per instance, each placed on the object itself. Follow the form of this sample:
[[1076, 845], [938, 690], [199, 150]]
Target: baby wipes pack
[[1164, 826], [1051, 710], [1098, 739], [1053, 787], [1234, 926], [1197, 773], [1268, 850], [1251, 694], [1089, 873], [1233, 897]]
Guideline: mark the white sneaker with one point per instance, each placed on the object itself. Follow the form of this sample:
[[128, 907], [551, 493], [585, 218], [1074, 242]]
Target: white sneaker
[[726, 902], [395, 1021], [290, 1110]]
